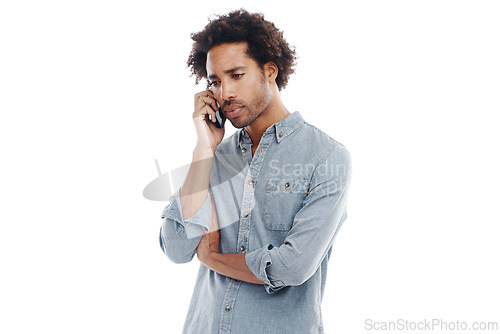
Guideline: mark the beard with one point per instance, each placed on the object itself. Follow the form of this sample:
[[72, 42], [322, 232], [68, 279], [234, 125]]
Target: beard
[[255, 108]]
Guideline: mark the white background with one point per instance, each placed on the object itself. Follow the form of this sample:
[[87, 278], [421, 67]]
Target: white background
[[93, 91]]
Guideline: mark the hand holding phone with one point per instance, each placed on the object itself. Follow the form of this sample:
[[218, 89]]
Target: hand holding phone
[[206, 111]]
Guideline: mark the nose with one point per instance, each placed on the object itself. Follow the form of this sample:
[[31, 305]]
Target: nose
[[227, 91]]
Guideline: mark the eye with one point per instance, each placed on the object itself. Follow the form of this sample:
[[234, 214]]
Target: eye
[[239, 75], [213, 83]]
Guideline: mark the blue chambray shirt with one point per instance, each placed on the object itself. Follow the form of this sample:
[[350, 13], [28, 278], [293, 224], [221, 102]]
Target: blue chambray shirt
[[282, 208]]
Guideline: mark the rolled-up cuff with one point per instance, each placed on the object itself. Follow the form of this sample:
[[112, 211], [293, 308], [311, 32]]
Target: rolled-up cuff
[[193, 226], [258, 261]]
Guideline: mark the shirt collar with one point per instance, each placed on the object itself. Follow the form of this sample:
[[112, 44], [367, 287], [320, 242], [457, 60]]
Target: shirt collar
[[279, 129]]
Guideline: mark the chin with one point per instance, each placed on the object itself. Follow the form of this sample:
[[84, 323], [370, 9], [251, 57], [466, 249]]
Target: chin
[[243, 120], [239, 123]]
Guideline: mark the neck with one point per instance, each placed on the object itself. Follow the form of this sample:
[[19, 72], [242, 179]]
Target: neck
[[275, 112]]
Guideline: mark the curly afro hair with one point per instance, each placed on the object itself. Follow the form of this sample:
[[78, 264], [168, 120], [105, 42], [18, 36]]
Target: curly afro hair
[[265, 43]]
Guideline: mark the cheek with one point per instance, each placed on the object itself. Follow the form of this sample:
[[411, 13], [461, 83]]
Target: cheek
[[216, 92]]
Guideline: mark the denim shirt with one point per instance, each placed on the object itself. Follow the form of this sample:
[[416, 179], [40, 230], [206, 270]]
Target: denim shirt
[[282, 208]]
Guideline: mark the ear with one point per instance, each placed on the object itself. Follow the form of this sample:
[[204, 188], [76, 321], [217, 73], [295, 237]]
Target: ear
[[270, 71]]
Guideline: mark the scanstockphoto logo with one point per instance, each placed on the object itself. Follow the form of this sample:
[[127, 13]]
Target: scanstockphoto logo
[[166, 184], [229, 168], [162, 187], [340, 171], [435, 324]]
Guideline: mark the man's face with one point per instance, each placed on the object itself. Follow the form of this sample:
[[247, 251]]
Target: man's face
[[238, 83]]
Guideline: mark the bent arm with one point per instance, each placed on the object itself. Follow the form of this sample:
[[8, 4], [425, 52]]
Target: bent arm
[[231, 265], [188, 214], [179, 237], [314, 227]]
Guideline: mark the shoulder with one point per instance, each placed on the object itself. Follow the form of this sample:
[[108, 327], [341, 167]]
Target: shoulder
[[318, 135], [326, 147]]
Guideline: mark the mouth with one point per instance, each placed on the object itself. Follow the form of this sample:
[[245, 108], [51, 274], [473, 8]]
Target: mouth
[[234, 112]]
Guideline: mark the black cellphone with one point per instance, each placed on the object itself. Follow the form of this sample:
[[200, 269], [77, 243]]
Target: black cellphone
[[219, 116]]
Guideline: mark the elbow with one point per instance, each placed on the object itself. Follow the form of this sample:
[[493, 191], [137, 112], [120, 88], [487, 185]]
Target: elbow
[[176, 258], [295, 273], [282, 273], [286, 279], [178, 251], [297, 277]]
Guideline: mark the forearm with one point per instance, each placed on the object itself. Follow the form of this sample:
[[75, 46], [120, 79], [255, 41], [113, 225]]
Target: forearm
[[195, 188], [231, 265]]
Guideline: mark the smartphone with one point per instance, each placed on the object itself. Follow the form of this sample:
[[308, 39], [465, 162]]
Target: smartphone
[[219, 116]]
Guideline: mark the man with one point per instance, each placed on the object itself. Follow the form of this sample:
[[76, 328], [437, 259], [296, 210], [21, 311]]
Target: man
[[261, 208]]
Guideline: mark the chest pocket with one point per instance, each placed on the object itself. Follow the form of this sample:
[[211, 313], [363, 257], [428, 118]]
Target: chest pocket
[[282, 201]]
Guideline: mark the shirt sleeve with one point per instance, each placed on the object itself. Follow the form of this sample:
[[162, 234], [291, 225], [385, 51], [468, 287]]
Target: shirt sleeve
[[314, 226], [179, 237]]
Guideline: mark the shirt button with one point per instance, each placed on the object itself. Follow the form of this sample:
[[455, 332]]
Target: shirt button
[[243, 132], [287, 184], [243, 150], [250, 182], [242, 248], [246, 214], [281, 134], [228, 308]]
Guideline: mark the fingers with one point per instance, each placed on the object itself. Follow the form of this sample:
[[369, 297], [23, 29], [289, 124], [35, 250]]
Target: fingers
[[205, 103], [203, 100], [207, 110]]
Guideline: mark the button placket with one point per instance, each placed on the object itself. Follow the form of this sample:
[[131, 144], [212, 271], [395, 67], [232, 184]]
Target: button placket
[[248, 200], [229, 300]]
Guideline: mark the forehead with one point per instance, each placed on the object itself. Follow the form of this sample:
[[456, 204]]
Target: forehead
[[223, 57]]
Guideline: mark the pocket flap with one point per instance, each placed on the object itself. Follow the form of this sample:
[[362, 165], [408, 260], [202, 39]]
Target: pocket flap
[[287, 185]]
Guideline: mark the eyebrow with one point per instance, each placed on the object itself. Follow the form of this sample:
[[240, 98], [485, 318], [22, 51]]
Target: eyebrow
[[228, 71]]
